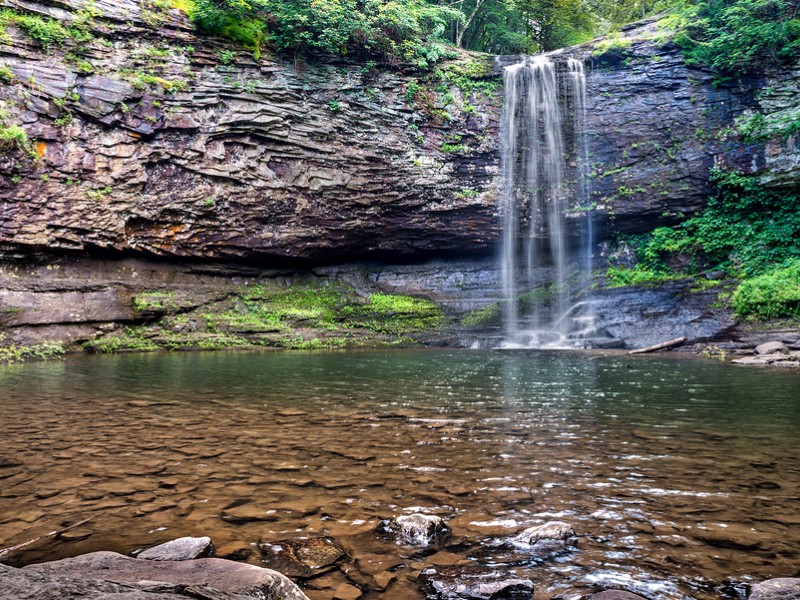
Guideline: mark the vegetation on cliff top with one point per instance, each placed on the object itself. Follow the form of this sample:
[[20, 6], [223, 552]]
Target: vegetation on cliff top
[[417, 31], [736, 36]]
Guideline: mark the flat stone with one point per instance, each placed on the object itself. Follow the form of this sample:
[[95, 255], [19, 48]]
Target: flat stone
[[751, 360], [247, 513], [347, 592], [473, 583], [772, 348], [785, 588], [222, 577], [185, 548], [736, 537]]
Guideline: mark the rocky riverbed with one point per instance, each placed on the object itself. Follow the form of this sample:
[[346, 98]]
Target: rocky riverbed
[[359, 472], [322, 566]]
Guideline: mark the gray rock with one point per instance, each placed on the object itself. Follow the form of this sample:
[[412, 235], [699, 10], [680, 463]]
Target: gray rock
[[473, 583], [185, 548], [416, 529], [772, 348], [785, 588], [226, 580], [552, 530], [751, 360]]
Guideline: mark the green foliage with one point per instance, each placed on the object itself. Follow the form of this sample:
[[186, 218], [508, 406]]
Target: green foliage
[[448, 148], [736, 36], [757, 127], [45, 350], [392, 313], [466, 193], [227, 57], [471, 77], [402, 29], [621, 277], [488, 316], [14, 136], [131, 339], [745, 230], [143, 79], [43, 31], [154, 301], [613, 43], [774, 294], [6, 74]]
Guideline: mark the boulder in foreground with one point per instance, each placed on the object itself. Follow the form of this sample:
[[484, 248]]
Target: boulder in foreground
[[108, 575], [784, 588]]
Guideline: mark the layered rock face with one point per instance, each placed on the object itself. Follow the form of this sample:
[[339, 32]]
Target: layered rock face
[[148, 140], [151, 139], [657, 126]]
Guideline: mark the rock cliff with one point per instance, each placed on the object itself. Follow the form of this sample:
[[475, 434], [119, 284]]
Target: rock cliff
[[147, 138], [143, 140]]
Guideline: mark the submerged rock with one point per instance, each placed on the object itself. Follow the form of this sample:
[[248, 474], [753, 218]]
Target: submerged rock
[[785, 588], [106, 574], [473, 583], [416, 530], [302, 557], [185, 548]]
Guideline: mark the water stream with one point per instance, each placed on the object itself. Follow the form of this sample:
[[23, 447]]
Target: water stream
[[544, 175], [681, 477]]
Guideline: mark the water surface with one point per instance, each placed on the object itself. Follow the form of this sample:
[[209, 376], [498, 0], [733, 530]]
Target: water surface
[[682, 477]]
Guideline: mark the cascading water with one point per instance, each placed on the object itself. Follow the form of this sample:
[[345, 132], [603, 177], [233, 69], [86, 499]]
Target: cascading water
[[544, 110]]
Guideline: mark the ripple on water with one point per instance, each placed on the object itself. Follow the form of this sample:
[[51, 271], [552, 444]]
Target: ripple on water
[[673, 494]]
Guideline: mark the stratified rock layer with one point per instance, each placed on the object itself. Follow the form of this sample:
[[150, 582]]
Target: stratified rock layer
[[158, 141]]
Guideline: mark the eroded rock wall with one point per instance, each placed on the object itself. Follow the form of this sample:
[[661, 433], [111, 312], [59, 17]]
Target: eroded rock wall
[[151, 139]]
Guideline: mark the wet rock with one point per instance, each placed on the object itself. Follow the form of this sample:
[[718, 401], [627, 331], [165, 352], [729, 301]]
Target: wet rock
[[416, 530], [303, 557], [614, 595], [724, 535], [772, 348], [548, 540], [552, 530], [786, 588], [185, 548], [211, 578], [473, 583]]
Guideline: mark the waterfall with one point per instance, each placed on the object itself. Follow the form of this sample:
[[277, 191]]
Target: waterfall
[[544, 174]]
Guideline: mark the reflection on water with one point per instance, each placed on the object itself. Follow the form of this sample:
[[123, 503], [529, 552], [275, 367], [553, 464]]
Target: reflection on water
[[681, 477]]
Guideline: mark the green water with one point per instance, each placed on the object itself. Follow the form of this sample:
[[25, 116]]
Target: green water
[[681, 477]]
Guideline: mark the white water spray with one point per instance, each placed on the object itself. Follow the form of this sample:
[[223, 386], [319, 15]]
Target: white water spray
[[542, 104]]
